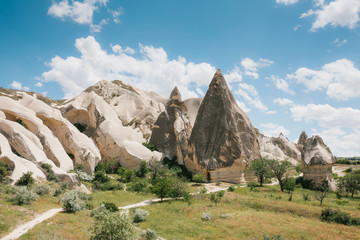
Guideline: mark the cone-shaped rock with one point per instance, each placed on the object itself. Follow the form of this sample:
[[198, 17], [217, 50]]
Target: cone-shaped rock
[[223, 139], [172, 129], [317, 162]]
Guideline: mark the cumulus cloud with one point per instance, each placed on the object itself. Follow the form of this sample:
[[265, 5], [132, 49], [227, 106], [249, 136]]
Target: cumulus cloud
[[340, 79], [339, 42], [283, 102], [18, 86], [82, 12], [281, 84], [273, 130], [38, 84], [286, 2], [340, 126], [243, 106], [116, 14], [152, 70], [297, 27], [251, 67], [344, 13], [250, 94]]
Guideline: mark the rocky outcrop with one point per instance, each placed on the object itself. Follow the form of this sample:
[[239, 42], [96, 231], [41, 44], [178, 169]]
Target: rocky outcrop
[[135, 107], [279, 148], [172, 129], [101, 123], [76, 144], [223, 140], [317, 162]]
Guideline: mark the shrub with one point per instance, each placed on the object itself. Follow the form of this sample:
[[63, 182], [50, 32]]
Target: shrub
[[23, 196], [140, 215], [25, 180], [330, 215], [126, 175], [304, 183], [289, 184], [149, 146], [252, 186], [50, 175], [109, 167], [231, 189], [203, 190], [4, 171], [206, 216], [139, 185], [149, 234], [188, 198], [42, 190], [162, 188], [298, 168], [72, 202], [113, 226], [99, 211], [274, 237], [143, 170], [57, 192], [101, 177], [84, 176], [78, 167], [216, 197], [110, 206], [306, 197], [355, 221], [108, 186], [198, 178], [225, 215]]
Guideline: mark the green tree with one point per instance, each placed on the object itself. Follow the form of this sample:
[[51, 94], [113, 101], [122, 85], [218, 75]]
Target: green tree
[[25, 180], [162, 188], [289, 184], [279, 169], [198, 178], [320, 195], [143, 170], [351, 182], [261, 169], [113, 226]]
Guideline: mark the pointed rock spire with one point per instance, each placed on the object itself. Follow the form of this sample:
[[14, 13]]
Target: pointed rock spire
[[175, 94], [302, 139], [222, 137]]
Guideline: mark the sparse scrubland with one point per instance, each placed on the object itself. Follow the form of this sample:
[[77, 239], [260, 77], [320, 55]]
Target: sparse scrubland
[[239, 212]]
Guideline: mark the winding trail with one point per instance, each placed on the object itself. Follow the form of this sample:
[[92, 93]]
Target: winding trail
[[22, 229]]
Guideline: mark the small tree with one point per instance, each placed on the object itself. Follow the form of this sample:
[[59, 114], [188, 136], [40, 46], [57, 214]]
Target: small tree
[[198, 178], [320, 195], [188, 198], [279, 170], [139, 185], [216, 197], [143, 170], [155, 168], [289, 184], [24, 196], [162, 188], [25, 180], [113, 226], [260, 168], [351, 182]]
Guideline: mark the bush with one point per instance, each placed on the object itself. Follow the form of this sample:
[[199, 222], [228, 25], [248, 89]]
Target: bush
[[110, 206], [206, 216], [252, 186], [216, 197], [306, 197], [24, 196], [50, 175], [108, 186], [42, 190], [101, 177], [304, 183], [226, 215], [78, 167], [84, 176], [109, 167], [289, 184], [330, 215], [203, 190], [57, 192], [72, 202], [299, 168], [231, 189], [25, 180], [149, 146], [126, 175], [113, 226], [143, 170], [99, 211], [140, 215], [4, 171], [198, 178], [188, 198], [149, 234], [275, 237], [139, 185]]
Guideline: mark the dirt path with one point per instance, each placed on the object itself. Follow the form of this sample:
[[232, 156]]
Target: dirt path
[[22, 229]]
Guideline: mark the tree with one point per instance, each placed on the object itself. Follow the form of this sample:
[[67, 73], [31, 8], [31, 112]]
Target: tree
[[351, 182], [162, 188], [25, 180], [155, 168], [320, 195], [143, 170], [260, 168], [216, 197], [198, 178], [113, 226], [289, 184], [279, 169]]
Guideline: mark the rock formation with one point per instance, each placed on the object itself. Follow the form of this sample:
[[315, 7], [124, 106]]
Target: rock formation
[[279, 148], [101, 123], [172, 129], [223, 140], [317, 162]]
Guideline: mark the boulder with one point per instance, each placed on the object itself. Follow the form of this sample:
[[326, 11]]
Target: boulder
[[223, 140], [317, 162], [172, 129]]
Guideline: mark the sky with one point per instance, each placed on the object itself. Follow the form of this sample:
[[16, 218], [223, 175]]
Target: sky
[[292, 65]]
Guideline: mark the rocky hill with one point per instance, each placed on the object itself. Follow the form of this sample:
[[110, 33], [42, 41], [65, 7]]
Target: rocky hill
[[112, 120]]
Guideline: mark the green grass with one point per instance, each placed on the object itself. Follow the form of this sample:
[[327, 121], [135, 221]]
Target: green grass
[[120, 198]]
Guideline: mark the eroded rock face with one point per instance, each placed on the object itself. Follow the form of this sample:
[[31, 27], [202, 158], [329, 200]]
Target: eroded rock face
[[172, 129], [223, 140], [115, 141], [279, 148], [317, 162]]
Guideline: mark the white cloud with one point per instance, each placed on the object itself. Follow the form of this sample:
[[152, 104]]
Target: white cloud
[[152, 70], [116, 14], [38, 84], [286, 2], [338, 42], [340, 126], [80, 12], [44, 93], [234, 75], [243, 106], [200, 92], [297, 27], [344, 13], [19, 86], [271, 129], [341, 79], [251, 67], [281, 84], [327, 116], [283, 102], [250, 94]]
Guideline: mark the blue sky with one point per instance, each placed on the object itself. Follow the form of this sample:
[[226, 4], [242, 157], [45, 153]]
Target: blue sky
[[292, 65]]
